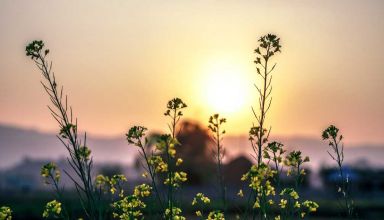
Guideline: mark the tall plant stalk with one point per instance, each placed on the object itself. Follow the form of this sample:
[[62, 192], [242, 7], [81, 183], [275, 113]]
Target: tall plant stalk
[[337, 154], [268, 47], [215, 123], [174, 107], [134, 136], [79, 154]]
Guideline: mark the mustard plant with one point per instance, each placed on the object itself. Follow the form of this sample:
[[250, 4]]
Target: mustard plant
[[79, 158], [259, 179], [294, 162], [153, 165], [167, 145], [264, 177], [52, 175], [269, 45], [163, 159], [200, 201], [331, 134], [274, 153], [162, 162], [130, 207], [291, 205], [215, 125]]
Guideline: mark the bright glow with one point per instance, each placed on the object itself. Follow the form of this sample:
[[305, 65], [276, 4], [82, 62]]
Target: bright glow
[[225, 89]]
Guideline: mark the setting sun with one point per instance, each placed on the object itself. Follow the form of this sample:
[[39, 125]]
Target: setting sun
[[225, 89]]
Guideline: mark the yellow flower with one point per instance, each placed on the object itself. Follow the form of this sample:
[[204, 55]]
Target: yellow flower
[[294, 195], [145, 175], [256, 205], [5, 213], [198, 213], [240, 193], [53, 208], [200, 197], [194, 201], [142, 190], [283, 203], [179, 161]]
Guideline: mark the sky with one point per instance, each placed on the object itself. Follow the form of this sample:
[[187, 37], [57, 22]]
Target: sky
[[120, 61]]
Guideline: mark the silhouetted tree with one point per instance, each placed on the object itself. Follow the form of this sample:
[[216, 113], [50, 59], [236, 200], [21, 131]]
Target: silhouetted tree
[[196, 152]]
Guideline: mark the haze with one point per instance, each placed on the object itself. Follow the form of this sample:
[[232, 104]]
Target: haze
[[121, 61]]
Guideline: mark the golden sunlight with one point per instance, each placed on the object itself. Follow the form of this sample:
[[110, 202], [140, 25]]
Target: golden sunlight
[[225, 88]]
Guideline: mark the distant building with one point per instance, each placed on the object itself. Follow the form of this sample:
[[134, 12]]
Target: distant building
[[25, 176]]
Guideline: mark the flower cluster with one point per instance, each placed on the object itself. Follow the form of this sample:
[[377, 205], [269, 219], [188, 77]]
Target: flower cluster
[[200, 200], [331, 132], [135, 134], [67, 130], [271, 44], [310, 206], [167, 144], [216, 215], [274, 151], [294, 161], [200, 197], [175, 104], [84, 153], [5, 213], [291, 206], [158, 164], [289, 197], [142, 190], [255, 133], [52, 209], [176, 179], [111, 183], [259, 178], [128, 208], [50, 171], [215, 122], [33, 49], [175, 214]]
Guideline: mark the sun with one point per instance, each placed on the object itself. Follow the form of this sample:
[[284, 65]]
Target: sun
[[225, 89]]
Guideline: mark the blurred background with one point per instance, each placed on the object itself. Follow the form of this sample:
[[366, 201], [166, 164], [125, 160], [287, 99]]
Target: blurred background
[[121, 61]]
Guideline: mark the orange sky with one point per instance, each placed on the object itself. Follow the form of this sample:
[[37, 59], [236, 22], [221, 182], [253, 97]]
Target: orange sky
[[121, 61]]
